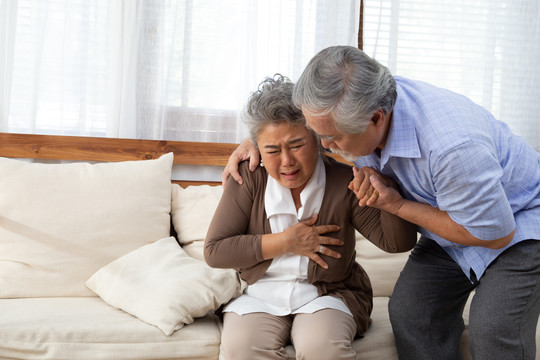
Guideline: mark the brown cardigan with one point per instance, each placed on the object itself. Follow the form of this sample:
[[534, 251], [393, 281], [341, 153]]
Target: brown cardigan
[[234, 236]]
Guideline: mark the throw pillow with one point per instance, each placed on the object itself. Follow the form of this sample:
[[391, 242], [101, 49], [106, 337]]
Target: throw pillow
[[163, 286], [60, 223], [192, 210]]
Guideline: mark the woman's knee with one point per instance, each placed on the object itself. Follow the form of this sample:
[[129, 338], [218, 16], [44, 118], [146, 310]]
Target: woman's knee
[[236, 344], [315, 347], [254, 336], [324, 335]]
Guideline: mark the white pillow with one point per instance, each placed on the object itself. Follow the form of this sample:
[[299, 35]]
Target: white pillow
[[383, 268], [60, 223], [195, 249], [192, 210], [163, 286]]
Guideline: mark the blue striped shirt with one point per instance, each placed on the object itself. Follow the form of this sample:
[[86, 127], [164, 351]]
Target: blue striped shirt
[[446, 151]]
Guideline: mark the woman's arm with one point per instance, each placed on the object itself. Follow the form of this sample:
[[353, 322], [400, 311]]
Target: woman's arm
[[389, 232], [227, 243]]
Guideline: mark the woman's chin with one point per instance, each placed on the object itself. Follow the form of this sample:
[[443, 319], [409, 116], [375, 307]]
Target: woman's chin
[[292, 184]]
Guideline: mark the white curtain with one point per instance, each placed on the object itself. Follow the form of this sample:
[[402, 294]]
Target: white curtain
[[154, 69], [488, 50]]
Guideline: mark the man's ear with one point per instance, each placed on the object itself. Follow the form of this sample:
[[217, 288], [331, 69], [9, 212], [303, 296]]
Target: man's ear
[[378, 117]]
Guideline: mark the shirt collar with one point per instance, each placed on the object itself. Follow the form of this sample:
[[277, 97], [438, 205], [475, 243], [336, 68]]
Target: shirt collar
[[278, 199], [402, 139]]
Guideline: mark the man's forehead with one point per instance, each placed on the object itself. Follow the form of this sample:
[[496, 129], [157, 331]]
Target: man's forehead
[[322, 125]]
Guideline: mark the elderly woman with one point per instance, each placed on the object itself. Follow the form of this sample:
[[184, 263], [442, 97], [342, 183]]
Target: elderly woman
[[303, 287]]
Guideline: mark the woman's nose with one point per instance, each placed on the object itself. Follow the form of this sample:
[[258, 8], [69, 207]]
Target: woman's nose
[[287, 158]]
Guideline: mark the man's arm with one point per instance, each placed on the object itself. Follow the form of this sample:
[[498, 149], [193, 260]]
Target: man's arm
[[245, 151], [427, 216]]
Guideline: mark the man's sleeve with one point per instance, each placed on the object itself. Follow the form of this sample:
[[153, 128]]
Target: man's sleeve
[[467, 179]]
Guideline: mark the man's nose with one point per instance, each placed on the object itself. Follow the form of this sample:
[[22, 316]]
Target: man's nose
[[327, 144]]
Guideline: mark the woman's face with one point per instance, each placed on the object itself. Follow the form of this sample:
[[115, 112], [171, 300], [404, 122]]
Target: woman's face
[[289, 154]]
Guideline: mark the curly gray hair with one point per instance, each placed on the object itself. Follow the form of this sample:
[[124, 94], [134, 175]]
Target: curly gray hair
[[271, 104]]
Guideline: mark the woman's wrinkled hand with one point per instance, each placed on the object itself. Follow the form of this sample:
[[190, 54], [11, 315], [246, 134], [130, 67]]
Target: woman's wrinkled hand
[[306, 239]]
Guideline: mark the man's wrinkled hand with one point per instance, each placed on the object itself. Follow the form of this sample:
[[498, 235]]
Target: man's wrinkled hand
[[245, 151]]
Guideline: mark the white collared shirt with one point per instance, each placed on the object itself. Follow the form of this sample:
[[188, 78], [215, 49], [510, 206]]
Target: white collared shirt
[[284, 289]]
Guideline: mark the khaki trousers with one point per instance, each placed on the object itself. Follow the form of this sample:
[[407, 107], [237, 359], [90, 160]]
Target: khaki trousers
[[324, 335]]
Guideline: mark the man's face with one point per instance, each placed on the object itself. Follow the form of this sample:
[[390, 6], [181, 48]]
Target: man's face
[[350, 146]]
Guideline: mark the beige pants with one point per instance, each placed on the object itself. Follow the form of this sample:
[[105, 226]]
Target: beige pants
[[325, 335]]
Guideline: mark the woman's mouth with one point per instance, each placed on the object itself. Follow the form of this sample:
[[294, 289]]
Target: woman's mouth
[[290, 174]]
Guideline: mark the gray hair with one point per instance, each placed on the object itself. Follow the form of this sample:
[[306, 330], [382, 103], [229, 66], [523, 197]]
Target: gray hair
[[346, 84], [272, 104]]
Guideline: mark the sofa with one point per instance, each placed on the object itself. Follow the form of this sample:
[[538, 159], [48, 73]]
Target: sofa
[[101, 253]]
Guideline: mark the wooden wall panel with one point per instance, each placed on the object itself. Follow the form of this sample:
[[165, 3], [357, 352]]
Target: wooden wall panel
[[78, 148], [111, 149]]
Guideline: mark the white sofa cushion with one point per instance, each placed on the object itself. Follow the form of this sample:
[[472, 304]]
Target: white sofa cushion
[[382, 268], [60, 223], [163, 286], [195, 249], [89, 329], [192, 210]]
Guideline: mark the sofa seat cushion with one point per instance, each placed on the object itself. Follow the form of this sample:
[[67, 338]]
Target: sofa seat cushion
[[383, 268], [88, 328]]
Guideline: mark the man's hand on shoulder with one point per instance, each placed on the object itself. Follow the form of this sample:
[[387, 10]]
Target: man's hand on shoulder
[[245, 151]]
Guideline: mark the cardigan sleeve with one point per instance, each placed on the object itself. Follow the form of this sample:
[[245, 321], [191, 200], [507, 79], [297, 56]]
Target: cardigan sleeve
[[228, 243], [388, 232]]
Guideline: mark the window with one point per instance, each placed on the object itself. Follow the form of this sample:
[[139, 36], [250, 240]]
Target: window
[[172, 69], [487, 50]]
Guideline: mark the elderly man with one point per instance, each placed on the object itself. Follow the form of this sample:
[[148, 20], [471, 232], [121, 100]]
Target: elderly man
[[471, 185]]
